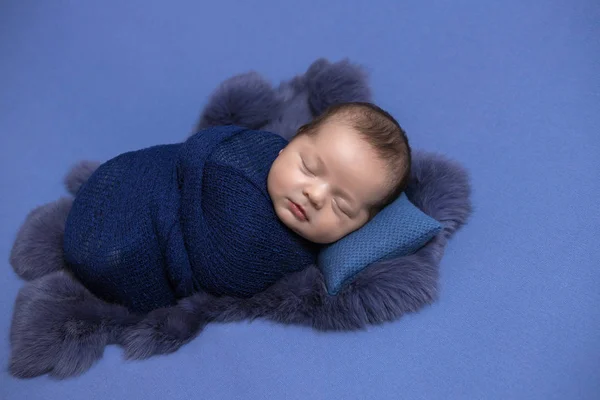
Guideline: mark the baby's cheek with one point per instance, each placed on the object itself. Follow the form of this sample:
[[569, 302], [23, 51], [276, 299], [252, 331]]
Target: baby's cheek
[[293, 180], [327, 228]]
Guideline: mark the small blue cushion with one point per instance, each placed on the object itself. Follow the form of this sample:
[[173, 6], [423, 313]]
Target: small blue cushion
[[398, 230]]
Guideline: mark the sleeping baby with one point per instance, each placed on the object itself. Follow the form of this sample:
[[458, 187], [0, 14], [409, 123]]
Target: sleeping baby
[[230, 211]]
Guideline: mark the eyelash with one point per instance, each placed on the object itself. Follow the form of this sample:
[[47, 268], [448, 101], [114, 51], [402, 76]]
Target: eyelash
[[305, 168], [339, 208]]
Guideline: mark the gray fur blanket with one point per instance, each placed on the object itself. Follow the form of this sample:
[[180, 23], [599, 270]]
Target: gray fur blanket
[[61, 329]]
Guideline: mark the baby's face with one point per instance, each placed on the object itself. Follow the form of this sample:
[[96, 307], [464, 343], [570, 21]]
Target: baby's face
[[323, 186]]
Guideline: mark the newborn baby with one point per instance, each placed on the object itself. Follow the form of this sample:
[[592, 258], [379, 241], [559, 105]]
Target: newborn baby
[[230, 211]]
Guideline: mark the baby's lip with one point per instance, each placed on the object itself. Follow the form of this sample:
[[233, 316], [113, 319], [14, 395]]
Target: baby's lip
[[301, 209]]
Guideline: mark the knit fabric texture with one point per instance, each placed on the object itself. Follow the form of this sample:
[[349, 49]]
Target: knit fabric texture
[[155, 225], [398, 230]]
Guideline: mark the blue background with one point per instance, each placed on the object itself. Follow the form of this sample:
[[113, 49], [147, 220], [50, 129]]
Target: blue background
[[510, 89]]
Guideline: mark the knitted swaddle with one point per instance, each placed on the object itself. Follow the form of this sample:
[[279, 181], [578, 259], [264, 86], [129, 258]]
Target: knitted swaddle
[[155, 225]]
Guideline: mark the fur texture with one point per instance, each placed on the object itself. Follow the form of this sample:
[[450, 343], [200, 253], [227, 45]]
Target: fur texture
[[59, 328], [249, 100], [339, 82], [37, 250], [79, 174], [245, 100], [70, 328]]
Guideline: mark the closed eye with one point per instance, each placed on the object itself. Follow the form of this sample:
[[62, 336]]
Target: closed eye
[[305, 168], [341, 209]]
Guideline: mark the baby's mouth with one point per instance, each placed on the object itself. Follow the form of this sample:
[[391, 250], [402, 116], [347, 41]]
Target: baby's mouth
[[298, 211]]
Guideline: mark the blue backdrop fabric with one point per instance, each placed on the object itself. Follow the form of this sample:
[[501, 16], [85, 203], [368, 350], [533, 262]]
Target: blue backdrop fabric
[[510, 89]]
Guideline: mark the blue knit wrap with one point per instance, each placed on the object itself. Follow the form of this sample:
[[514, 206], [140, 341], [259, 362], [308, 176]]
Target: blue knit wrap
[[155, 225]]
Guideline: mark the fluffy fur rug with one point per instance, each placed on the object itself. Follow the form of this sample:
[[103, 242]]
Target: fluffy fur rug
[[59, 328]]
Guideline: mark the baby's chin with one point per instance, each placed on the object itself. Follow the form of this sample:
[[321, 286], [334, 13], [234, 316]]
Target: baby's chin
[[286, 218], [311, 237], [324, 239]]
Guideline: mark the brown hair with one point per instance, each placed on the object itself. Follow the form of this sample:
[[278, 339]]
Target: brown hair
[[380, 130]]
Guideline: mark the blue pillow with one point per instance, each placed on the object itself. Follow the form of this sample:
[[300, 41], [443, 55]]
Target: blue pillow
[[398, 230]]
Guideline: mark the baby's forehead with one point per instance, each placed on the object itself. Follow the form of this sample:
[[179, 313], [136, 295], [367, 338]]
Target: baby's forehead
[[339, 139], [356, 166]]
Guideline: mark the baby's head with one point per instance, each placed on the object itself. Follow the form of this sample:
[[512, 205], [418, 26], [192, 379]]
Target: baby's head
[[339, 171]]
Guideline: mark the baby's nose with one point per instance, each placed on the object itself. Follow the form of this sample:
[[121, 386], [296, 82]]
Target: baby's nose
[[316, 195]]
